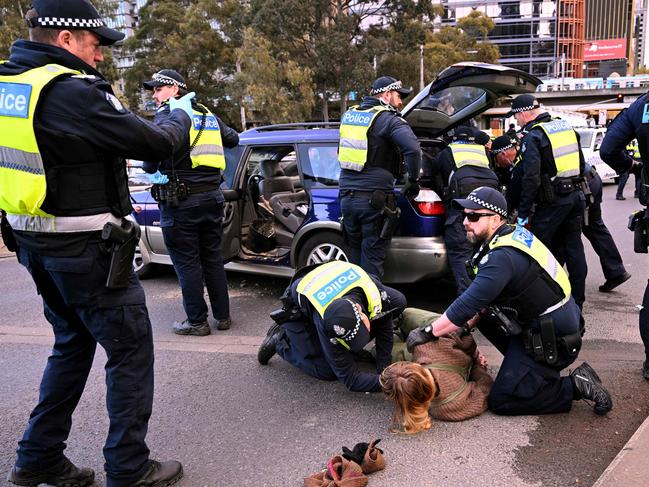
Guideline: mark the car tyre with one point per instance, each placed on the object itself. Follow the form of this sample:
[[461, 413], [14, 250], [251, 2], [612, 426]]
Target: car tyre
[[142, 270], [323, 247]]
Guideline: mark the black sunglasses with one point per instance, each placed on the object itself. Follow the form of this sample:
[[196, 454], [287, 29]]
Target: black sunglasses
[[474, 217]]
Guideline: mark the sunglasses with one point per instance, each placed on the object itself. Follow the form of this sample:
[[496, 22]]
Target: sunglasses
[[474, 217]]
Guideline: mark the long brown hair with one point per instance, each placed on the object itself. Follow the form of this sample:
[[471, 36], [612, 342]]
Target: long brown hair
[[412, 388]]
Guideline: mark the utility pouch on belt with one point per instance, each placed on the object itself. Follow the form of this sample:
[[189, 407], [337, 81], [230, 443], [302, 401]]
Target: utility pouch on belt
[[547, 191], [638, 225], [171, 193], [7, 233], [123, 240], [289, 311], [377, 200], [390, 219], [548, 340], [507, 325]]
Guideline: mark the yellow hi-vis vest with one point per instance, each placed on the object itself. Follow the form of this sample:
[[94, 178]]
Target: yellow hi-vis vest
[[23, 186], [523, 240], [565, 148], [469, 155], [352, 148], [208, 150], [333, 280]]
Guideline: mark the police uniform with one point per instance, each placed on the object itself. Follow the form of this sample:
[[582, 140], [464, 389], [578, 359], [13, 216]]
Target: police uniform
[[193, 227], [62, 178], [312, 344], [600, 238], [632, 123], [551, 196], [373, 137], [509, 262], [464, 166]]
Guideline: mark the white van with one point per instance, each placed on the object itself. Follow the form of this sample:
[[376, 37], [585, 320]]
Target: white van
[[591, 140]]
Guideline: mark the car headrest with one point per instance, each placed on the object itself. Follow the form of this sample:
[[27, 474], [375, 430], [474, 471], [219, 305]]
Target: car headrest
[[270, 168]]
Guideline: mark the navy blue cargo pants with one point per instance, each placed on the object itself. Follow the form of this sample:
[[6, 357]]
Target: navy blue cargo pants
[[193, 232], [458, 248], [84, 313]]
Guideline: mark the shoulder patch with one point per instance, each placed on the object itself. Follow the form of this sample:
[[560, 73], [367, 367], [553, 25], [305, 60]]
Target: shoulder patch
[[645, 113], [115, 103], [87, 77]]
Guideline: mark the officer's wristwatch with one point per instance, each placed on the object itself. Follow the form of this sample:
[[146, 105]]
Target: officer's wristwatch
[[429, 330]]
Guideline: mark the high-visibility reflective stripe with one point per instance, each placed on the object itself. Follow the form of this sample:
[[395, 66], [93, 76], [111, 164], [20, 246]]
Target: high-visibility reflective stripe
[[20, 160], [469, 155], [333, 280], [565, 148], [353, 144], [207, 149], [61, 224]]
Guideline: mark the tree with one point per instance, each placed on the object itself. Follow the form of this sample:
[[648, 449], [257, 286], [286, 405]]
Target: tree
[[466, 42], [12, 23], [275, 88], [181, 35]]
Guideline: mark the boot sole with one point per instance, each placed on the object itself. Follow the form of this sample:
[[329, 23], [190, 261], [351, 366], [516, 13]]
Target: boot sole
[[171, 481], [192, 333], [50, 481]]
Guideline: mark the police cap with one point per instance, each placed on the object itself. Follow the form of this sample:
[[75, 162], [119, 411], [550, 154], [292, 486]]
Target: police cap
[[73, 15], [501, 144], [464, 132], [481, 137], [484, 198], [343, 323], [165, 77], [388, 83], [523, 103]]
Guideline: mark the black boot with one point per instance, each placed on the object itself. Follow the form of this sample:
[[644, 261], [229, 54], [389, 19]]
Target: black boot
[[161, 474], [589, 386], [63, 474], [187, 328], [268, 347]]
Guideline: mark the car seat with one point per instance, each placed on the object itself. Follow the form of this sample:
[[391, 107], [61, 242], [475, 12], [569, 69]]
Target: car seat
[[289, 206]]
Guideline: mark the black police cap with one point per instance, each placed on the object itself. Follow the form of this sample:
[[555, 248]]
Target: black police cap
[[73, 15], [165, 77], [501, 144], [483, 198], [481, 137], [464, 133], [523, 103], [388, 83]]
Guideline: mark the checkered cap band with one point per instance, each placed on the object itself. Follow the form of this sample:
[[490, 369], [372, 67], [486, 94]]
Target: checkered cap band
[[501, 211], [502, 149], [391, 87], [69, 22], [167, 80], [524, 109], [352, 334]]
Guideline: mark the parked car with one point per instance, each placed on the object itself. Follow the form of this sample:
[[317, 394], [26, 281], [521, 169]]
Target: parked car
[[591, 140], [281, 187]]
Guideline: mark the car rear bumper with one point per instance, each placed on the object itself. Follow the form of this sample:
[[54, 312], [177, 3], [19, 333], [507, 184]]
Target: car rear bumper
[[412, 259]]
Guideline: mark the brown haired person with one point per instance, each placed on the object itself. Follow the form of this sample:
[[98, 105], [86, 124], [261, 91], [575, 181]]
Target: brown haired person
[[445, 379]]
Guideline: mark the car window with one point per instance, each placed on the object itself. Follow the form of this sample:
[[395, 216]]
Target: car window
[[320, 165], [598, 140], [284, 154], [454, 100], [232, 156]]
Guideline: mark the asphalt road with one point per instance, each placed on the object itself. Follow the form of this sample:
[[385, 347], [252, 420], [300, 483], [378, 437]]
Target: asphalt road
[[233, 422]]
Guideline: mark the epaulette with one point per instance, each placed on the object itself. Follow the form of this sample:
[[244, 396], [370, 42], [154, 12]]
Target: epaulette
[[88, 77]]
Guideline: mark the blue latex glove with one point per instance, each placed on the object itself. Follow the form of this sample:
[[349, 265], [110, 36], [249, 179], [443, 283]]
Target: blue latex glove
[[158, 178], [522, 222], [183, 103]]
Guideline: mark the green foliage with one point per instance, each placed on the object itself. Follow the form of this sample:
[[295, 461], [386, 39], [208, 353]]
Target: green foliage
[[273, 87], [12, 23]]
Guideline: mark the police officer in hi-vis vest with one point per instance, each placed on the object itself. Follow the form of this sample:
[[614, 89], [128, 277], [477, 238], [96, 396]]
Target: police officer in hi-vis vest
[[187, 188], [373, 140], [463, 166], [552, 200], [63, 184], [329, 313], [530, 315]]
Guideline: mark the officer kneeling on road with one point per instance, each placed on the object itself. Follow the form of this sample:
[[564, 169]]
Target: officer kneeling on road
[[330, 312], [520, 300]]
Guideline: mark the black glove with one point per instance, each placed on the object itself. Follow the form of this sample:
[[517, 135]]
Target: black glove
[[357, 453], [410, 189], [419, 336]]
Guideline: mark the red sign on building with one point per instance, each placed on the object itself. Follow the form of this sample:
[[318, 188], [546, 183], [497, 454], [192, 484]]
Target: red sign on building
[[605, 49]]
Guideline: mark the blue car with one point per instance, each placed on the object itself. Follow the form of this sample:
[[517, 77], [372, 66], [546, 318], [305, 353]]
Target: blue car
[[281, 187]]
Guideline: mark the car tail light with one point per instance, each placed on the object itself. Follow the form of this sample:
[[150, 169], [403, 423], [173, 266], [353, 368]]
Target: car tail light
[[428, 203], [137, 209]]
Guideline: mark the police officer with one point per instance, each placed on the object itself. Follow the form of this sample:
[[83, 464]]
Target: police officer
[[632, 123], [539, 331], [552, 202], [373, 138], [600, 238], [502, 154], [330, 312], [191, 206], [63, 139], [465, 166]]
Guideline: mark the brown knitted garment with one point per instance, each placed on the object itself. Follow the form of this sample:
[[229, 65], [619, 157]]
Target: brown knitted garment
[[374, 460], [456, 351], [340, 472]]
